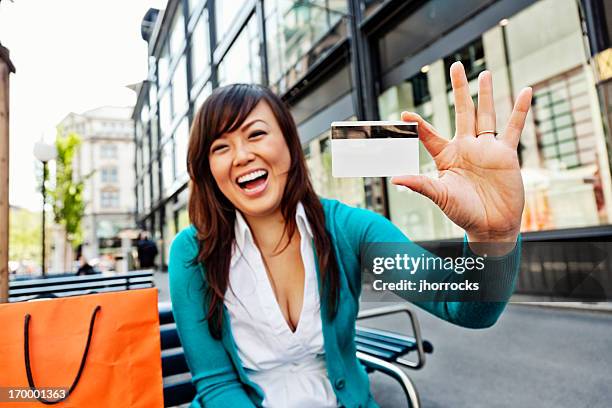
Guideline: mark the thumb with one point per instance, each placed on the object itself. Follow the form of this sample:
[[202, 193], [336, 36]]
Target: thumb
[[430, 188]]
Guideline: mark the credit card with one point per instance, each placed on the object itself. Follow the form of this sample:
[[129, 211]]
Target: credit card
[[374, 148]]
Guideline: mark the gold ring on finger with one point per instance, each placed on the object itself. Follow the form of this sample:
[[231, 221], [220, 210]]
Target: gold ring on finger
[[482, 132]]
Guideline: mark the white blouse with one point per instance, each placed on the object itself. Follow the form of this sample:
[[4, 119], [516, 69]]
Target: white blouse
[[288, 366]]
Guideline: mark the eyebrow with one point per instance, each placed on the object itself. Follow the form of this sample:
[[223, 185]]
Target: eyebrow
[[247, 125]]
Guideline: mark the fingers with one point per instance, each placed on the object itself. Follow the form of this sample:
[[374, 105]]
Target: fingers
[[516, 123], [485, 117], [430, 188], [433, 142], [464, 106]]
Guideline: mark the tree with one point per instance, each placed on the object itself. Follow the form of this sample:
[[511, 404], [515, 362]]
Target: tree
[[67, 195], [24, 235]]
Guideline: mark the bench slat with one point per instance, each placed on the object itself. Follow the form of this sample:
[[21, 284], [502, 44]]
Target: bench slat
[[376, 352], [75, 278], [392, 338], [165, 314], [174, 363], [382, 345], [179, 393], [169, 337], [407, 345], [73, 286], [52, 294]]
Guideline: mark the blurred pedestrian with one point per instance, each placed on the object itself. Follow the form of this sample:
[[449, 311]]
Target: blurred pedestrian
[[147, 251], [84, 267]]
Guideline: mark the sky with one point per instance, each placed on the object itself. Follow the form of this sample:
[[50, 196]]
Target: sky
[[70, 56]]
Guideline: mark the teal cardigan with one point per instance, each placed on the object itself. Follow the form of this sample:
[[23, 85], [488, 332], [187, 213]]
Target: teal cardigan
[[217, 372]]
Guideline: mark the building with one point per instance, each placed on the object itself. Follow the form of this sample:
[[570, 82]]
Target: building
[[359, 59], [105, 160]]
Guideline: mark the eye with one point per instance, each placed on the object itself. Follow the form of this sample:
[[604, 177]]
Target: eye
[[256, 134], [218, 148]]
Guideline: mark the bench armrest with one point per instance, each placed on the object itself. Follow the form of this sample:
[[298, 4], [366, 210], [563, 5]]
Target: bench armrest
[[401, 308]]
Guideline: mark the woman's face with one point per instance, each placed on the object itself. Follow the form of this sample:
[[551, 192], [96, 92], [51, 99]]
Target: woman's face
[[250, 165]]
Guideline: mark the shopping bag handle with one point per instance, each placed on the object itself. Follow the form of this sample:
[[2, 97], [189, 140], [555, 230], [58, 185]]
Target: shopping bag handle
[[28, 365]]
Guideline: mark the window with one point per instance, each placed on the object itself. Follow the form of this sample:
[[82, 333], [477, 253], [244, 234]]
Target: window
[[204, 93], [163, 66], [471, 56], [181, 139], [177, 33], [295, 29], [180, 97], [153, 96], [109, 199], [144, 114], [109, 175], [140, 194], [562, 116], [155, 179], [200, 43], [153, 127], [148, 154], [165, 112], [167, 163], [567, 189], [242, 62], [226, 12], [138, 159], [564, 160], [108, 151], [147, 189], [420, 89], [193, 5], [138, 131]]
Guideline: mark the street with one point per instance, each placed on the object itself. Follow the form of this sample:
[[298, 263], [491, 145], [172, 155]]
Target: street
[[533, 357]]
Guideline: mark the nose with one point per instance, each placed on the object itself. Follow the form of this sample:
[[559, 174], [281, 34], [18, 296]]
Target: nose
[[243, 155]]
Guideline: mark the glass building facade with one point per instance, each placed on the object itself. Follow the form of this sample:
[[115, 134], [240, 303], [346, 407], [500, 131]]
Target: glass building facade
[[356, 59]]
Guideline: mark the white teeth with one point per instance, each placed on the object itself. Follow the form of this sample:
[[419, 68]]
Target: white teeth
[[251, 176], [250, 190]]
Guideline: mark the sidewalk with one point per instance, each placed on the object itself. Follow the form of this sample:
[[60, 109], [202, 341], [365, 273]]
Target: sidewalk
[[161, 283], [560, 303]]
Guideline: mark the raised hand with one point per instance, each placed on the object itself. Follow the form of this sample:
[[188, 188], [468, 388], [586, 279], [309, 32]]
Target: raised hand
[[480, 187]]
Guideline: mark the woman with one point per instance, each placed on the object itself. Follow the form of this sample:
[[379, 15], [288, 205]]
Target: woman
[[265, 283]]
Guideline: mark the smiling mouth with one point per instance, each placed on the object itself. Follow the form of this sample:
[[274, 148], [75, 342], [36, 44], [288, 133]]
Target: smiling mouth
[[252, 181]]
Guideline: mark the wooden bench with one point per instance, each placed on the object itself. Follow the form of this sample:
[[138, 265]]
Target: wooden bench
[[25, 277], [21, 290], [378, 350]]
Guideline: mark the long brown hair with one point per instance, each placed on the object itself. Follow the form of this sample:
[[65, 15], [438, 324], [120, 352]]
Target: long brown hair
[[213, 215]]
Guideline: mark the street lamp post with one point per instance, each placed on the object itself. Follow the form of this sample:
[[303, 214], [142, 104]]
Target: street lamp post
[[44, 152]]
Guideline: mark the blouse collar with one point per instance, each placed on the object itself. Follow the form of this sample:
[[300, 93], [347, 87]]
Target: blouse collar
[[243, 236]]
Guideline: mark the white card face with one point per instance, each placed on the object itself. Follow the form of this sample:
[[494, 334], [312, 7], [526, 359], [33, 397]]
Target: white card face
[[374, 149]]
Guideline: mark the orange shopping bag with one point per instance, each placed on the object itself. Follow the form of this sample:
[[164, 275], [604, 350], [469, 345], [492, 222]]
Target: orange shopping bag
[[99, 350]]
